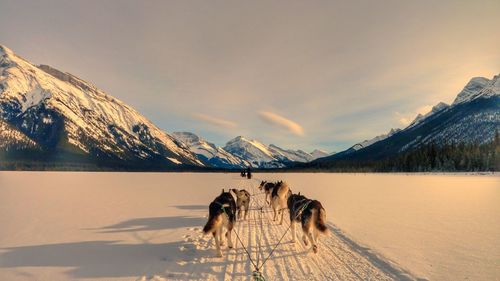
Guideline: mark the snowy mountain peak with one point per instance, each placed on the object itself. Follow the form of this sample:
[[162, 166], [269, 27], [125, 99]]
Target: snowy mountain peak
[[254, 152], [5, 51], [261, 155], [479, 87], [259, 148], [496, 80], [209, 152], [45, 103], [435, 109], [318, 153], [440, 106], [393, 131], [239, 139]]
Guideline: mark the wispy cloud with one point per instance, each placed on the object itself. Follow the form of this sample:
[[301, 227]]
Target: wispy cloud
[[215, 121], [282, 122]]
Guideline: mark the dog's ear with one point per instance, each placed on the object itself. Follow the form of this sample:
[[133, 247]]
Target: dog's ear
[[299, 192], [222, 190]]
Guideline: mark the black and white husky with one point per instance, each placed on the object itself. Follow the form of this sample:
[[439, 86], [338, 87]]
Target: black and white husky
[[221, 214], [268, 189], [311, 215], [279, 197], [242, 202]]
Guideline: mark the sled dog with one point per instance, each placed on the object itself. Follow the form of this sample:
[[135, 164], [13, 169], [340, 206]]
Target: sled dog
[[279, 198], [268, 189], [221, 214], [242, 202], [311, 215]]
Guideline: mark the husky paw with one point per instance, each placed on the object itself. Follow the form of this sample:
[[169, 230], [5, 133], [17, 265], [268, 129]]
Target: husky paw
[[305, 241]]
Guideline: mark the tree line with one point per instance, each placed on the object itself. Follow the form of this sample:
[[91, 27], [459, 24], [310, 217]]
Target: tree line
[[431, 157]]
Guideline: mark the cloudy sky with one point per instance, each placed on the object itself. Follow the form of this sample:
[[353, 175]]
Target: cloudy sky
[[305, 74]]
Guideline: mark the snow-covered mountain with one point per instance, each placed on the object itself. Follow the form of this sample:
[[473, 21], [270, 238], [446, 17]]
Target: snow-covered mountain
[[61, 112], [52, 112], [318, 153], [473, 117], [209, 152], [254, 152], [479, 87], [435, 109], [241, 152], [260, 155], [290, 155]]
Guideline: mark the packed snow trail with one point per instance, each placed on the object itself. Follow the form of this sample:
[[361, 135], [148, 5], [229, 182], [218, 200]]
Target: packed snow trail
[[339, 258]]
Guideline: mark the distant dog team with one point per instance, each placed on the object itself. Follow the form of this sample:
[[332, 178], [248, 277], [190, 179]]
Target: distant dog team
[[224, 211]]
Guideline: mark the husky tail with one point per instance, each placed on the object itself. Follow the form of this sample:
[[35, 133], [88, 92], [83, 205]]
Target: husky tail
[[212, 223], [320, 221]]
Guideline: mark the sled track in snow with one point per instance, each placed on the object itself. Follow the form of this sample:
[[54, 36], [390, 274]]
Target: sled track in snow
[[339, 258]]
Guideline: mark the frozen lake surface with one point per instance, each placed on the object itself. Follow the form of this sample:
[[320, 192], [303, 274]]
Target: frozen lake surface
[[146, 226]]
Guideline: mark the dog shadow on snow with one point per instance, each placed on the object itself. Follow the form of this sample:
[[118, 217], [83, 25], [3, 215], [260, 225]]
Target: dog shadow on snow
[[158, 223], [105, 259], [153, 223], [113, 258]]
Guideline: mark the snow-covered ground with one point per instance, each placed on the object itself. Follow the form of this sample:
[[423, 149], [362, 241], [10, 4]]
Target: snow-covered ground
[[146, 226]]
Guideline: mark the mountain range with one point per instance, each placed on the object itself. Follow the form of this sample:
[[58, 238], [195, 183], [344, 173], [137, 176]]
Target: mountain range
[[47, 115], [50, 115], [474, 117], [242, 152]]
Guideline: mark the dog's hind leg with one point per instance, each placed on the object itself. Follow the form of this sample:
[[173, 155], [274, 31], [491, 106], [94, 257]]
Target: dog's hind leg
[[276, 213], [313, 241], [282, 215], [316, 234], [217, 242], [221, 237], [229, 236], [294, 234]]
